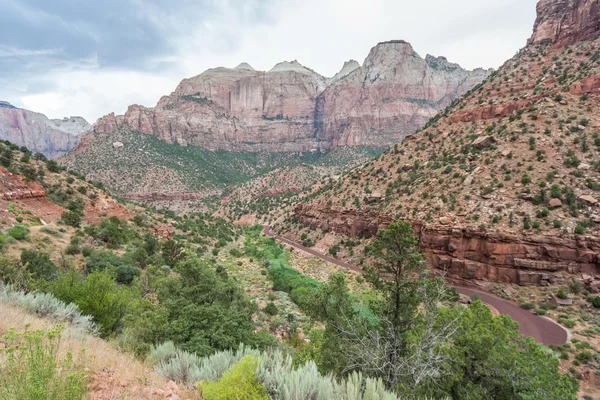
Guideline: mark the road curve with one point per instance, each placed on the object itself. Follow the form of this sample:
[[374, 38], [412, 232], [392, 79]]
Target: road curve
[[541, 329]]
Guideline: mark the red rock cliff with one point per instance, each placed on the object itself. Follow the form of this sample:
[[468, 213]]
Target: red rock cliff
[[292, 108], [565, 22], [468, 254]]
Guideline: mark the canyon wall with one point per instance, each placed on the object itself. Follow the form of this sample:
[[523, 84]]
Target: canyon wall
[[292, 108], [564, 22], [38, 133], [466, 254]]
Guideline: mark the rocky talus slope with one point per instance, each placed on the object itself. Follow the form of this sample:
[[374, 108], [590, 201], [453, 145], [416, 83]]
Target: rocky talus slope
[[505, 185], [38, 133], [292, 108]]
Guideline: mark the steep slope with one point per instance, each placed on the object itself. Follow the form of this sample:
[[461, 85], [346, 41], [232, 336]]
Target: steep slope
[[38, 133], [291, 108], [504, 185]]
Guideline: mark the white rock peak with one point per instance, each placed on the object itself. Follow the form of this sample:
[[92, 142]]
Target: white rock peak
[[246, 66], [349, 67], [291, 66]]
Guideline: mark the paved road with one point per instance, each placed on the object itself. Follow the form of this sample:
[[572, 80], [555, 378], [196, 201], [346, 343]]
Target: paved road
[[541, 329]]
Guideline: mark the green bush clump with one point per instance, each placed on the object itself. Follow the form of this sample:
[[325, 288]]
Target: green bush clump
[[71, 218], [18, 232], [97, 295], [99, 260], [596, 301], [527, 306], [125, 274], [39, 265], [33, 370], [238, 383], [201, 310], [271, 308]]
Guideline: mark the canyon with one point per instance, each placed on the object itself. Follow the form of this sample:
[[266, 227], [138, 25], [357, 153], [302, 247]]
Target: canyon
[[38, 133]]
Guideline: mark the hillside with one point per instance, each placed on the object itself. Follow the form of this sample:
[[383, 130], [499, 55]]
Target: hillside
[[38, 133], [144, 169], [504, 184]]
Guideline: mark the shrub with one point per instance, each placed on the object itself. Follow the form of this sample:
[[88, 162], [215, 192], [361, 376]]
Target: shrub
[[235, 253], [161, 353], [39, 265], [562, 294], [125, 274], [12, 273], [527, 306], [49, 230], [182, 367], [596, 301], [19, 232], [271, 309], [72, 249], [238, 383], [71, 218], [47, 306], [575, 287], [99, 260], [33, 370], [52, 166], [97, 295]]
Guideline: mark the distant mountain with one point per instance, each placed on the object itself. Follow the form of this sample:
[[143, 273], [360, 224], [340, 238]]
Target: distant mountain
[[292, 108], [38, 133]]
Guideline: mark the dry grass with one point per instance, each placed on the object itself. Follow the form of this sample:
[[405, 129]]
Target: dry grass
[[113, 374]]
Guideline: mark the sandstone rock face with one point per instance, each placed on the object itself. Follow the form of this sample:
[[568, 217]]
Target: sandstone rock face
[[393, 94], [38, 133], [468, 254], [13, 187], [291, 108], [564, 22]]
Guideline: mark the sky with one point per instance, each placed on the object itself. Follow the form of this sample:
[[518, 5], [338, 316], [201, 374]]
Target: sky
[[93, 57]]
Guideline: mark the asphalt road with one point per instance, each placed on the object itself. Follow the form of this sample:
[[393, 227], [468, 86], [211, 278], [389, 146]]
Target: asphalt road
[[541, 329]]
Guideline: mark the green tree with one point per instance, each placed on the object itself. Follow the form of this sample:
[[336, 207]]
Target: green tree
[[489, 360]]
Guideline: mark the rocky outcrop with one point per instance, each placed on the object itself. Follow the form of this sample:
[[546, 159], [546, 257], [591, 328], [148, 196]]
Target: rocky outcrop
[[469, 254], [38, 133], [564, 22], [291, 108], [13, 187]]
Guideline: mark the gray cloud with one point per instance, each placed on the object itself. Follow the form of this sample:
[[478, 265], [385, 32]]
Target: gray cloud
[[91, 57]]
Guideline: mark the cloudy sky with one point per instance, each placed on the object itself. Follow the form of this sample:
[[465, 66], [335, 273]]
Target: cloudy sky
[[92, 57]]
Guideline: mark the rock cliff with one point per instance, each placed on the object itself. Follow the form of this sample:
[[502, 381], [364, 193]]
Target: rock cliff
[[465, 254], [291, 108], [393, 94], [38, 133], [565, 22]]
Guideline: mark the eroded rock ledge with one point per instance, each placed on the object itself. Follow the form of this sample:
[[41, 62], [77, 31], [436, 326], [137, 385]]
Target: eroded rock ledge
[[469, 254]]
